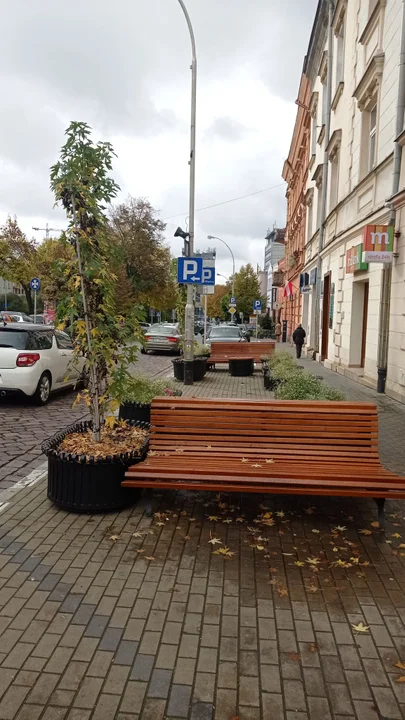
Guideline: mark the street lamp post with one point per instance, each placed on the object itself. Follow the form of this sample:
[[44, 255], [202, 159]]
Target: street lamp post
[[214, 237], [189, 314]]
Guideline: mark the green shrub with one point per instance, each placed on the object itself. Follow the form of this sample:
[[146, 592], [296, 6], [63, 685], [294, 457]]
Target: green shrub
[[143, 390], [201, 350], [297, 384]]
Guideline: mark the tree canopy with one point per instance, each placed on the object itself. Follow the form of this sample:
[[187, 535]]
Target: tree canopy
[[247, 289]]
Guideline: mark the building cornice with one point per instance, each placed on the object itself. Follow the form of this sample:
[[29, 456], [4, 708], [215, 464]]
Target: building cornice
[[370, 81]]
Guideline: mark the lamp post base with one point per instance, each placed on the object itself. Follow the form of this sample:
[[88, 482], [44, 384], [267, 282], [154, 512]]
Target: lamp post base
[[188, 372]]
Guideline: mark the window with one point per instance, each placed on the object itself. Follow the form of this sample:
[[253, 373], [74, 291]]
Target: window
[[63, 341], [43, 340], [314, 128], [340, 59], [334, 182], [324, 102], [319, 206], [372, 137]]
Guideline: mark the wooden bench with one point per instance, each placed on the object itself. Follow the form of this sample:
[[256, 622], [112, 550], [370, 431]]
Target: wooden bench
[[269, 446], [221, 352]]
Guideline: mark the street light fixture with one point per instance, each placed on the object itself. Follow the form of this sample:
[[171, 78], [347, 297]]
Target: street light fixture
[[214, 237], [189, 314], [224, 276]]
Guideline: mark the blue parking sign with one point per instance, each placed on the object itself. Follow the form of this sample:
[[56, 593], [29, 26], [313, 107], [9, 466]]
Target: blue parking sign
[[257, 305], [189, 271]]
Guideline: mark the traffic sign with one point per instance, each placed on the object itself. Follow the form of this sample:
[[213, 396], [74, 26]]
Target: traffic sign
[[208, 276], [35, 284], [232, 310], [206, 289], [257, 306], [189, 270], [232, 302]]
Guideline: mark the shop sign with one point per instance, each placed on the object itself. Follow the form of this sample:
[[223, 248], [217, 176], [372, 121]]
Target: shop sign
[[378, 243], [354, 260]]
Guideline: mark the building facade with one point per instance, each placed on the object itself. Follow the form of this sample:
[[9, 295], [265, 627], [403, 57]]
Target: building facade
[[295, 173], [273, 252], [354, 267]]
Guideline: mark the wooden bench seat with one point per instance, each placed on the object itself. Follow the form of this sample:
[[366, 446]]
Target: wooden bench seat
[[222, 352], [269, 446]]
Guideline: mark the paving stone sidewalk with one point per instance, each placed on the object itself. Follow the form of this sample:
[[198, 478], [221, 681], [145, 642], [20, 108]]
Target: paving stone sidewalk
[[153, 625]]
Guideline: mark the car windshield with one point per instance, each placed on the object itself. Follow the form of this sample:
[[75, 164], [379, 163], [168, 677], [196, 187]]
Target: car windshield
[[226, 331], [17, 339], [163, 330]]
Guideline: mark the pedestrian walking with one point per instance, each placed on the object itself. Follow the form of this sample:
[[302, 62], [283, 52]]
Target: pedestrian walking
[[278, 331], [299, 335]]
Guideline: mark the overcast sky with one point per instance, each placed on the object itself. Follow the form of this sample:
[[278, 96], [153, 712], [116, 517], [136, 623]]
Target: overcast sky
[[123, 67]]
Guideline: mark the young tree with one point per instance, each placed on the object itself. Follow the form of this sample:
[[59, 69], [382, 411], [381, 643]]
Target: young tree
[[18, 258], [81, 183], [247, 289]]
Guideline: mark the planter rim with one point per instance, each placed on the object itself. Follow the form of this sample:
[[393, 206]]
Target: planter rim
[[199, 358], [50, 446]]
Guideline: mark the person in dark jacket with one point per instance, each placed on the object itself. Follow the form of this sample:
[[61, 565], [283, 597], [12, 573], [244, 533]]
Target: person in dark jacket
[[299, 335]]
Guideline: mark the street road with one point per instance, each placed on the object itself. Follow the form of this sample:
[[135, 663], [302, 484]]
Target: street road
[[24, 426]]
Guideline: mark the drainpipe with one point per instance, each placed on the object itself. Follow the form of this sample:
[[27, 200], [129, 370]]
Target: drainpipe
[[386, 282], [325, 173]]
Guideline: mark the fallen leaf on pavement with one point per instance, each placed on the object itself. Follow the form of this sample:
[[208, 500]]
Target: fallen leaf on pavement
[[213, 518], [375, 524], [360, 628], [149, 557], [137, 534], [225, 551], [313, 647], [365, 532], [313, 561], [215, 541], [114, 537], [316, 531], [298, 563], [401, 679], [296, 657], [396, 535], [400, 665]]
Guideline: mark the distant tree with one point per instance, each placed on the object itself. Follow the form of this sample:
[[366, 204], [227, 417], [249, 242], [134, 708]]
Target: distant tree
[[52, 258], [247, 289], [17, 258], [139, 235], [214, 302]]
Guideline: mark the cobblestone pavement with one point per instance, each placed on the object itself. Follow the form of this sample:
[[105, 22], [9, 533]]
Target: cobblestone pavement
[[121, 617], [23, 426]]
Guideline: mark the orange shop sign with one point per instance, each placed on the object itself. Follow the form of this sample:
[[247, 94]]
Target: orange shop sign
[[378, 243]]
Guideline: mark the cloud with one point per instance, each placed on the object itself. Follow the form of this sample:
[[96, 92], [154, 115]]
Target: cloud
[[124, 68]]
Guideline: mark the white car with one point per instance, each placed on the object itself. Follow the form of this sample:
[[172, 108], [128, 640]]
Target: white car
[[35, 360]]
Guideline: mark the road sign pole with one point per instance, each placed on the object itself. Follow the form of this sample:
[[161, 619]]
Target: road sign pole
[[35, 306], [205, 319]]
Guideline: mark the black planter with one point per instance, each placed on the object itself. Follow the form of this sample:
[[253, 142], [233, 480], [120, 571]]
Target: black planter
[[199, 368], [132, 410], [242, 367], [93, 486]]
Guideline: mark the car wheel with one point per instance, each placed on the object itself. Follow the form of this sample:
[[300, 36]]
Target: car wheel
[[43, 391], [143, 351]]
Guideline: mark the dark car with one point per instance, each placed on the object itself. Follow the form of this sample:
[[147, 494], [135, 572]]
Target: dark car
[[225, 333]]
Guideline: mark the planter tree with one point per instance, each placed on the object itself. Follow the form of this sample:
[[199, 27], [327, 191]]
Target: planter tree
[[81, 183]]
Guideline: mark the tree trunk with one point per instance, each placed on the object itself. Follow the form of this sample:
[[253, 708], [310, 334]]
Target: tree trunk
[[29, 299]]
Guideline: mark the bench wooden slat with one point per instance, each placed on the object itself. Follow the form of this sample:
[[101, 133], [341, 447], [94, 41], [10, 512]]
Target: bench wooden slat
[[328, 448], [223, 352]]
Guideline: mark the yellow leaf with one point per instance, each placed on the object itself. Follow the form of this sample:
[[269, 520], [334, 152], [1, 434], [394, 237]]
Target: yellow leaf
[[149, 557], [316, 531], [375, 524], [313, 561], [298, 563], [365, 532], [396, 535], [259, 547], [94, 331], [280, 512], [401, 679], [225, 551], [111, 422], [400, 665], [267, 515], [361, 628], [213, 518]]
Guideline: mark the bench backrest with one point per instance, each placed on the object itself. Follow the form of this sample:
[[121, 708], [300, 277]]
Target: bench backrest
[[300, 431], [242, 349]]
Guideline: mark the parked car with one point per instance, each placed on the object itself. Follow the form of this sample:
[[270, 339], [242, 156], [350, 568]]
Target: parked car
[[36, 360], [145, 326], [164, 337], [39, 319], [14, 316], [225, 333]]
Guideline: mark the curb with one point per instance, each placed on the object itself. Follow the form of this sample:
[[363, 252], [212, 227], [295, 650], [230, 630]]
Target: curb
[[34, 477]]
